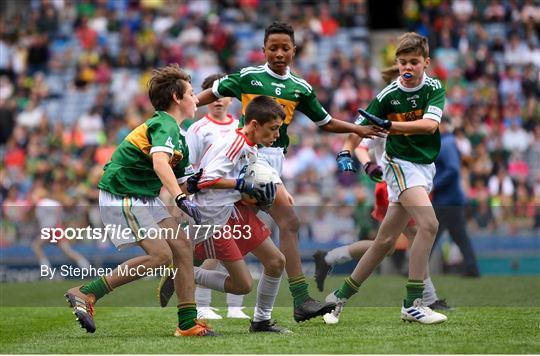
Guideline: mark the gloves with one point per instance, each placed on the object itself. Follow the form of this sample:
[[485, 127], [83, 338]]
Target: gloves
[[188, 207], [384, 123], [374, 171], [264, 194], [193, 181], [345, 162]]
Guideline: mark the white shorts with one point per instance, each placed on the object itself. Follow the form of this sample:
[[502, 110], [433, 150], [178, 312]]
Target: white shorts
[[401, 175], [130, 219], [273, 157]]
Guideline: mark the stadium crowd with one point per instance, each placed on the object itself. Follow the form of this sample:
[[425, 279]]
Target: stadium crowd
[[73, 74]]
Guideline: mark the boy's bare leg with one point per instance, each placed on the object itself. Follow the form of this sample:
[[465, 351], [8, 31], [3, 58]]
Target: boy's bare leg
[[416, 201], [283, 214]]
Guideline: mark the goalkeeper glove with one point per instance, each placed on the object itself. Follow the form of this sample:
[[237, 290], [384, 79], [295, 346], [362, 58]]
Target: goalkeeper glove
[[374, 171], [345, 162], [188, 207], [384, 123]]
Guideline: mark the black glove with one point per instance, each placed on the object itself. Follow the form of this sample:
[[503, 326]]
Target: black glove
[[345, 162], [384, 123], [374, 171], [193, 182], [188, 207], [264, 194]]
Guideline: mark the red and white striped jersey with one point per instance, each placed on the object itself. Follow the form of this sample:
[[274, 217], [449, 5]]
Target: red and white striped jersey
[[203, 133], [225, 158]]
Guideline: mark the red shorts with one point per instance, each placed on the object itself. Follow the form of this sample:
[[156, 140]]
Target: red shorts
[[381, 203], [236, 239]]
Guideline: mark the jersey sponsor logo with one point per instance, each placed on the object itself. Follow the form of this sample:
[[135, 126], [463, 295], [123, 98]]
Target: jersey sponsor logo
[[407, 116], [409, 98], [280, 85], [395, 102], [256, 83], [434, 110]]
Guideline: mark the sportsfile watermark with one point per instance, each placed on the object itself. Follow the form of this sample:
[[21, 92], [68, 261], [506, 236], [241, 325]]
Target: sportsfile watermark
[[113, 231]]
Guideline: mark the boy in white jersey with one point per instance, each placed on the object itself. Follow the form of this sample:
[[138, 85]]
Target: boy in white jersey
[[200, 136], [411, 108], [274, 79], [234, 228]]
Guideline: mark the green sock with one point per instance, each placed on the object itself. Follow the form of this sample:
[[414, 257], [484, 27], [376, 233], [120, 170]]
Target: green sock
[[187, 313], [98, 287], [348, 288], [414, 291], [299, 289]]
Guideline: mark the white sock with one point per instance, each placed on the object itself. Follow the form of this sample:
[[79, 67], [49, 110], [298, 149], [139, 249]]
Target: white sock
[[266, 296], [338, 256], [234, 300], [203, 296], [211, 279], [429, 296]]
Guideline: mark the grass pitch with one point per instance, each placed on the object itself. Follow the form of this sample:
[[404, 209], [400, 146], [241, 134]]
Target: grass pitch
[[493, 315]]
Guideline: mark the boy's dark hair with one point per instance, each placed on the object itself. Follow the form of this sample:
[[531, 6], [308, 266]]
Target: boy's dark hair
[[412, 42], [279, 27], [263, 109], [164, 82], [208, 81]]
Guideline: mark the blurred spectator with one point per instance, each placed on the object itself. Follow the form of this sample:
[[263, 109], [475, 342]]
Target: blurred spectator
[[73, 80]]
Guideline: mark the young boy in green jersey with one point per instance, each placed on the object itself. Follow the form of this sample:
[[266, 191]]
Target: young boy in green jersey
[[153, 155], [411, 108], [274, 79]]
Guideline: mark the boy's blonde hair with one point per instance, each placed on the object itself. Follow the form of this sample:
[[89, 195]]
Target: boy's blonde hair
[[412, 42], [164, 82]]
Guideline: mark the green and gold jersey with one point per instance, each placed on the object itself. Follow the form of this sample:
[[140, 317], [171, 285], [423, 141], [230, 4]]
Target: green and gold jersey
[[398, 103], [131, 172], [291, 91]]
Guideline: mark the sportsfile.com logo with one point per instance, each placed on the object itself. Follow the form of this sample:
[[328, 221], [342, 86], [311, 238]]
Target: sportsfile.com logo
[[117, 232]]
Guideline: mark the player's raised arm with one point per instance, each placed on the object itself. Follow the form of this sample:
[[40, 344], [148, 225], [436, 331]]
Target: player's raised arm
[[206, 97]]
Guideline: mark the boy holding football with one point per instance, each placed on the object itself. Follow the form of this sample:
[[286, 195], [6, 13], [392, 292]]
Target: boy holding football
[[229, 228], [199, 137], [274, 79]]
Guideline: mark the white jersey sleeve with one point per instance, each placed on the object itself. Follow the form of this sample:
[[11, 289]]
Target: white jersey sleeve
[[224, 159]]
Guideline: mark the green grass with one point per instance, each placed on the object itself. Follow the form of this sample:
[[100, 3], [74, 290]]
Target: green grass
[[493, 315]]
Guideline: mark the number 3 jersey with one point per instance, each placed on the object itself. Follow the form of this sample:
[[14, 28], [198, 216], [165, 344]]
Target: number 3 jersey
[[398, 103], [225, 158], [291, 91]]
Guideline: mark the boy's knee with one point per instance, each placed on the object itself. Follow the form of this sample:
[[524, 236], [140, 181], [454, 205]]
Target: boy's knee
[[386, 244], [289, 223], [244, 286], [162, 258], [275, 264], [430, 226]]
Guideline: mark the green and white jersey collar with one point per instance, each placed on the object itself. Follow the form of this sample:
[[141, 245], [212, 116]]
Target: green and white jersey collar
[[274, 74], [416, 88]]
